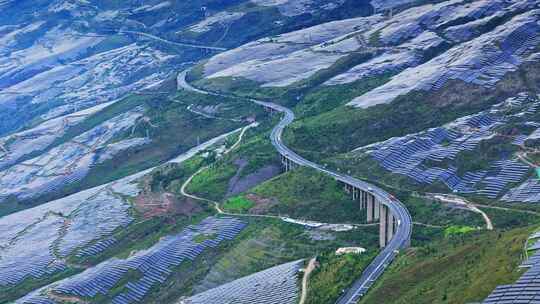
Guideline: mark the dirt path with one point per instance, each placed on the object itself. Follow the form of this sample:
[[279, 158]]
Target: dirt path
[[523, 157], [447, 198], [508, 209], [217, 206], [307, 272], [428, 225]]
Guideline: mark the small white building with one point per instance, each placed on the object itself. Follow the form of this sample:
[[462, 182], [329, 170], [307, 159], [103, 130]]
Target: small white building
[[353, 250]]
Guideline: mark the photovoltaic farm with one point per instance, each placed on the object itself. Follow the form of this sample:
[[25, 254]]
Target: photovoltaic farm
[[133, 278], [278, 284], [432, 156], [37, 241], [67, 163], [525, 289]]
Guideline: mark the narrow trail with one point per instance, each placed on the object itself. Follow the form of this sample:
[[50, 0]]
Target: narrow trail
[[523, 157], [507, 209], [217, 206], [307, 272], [428, 225], [156, 38], [447, 198]]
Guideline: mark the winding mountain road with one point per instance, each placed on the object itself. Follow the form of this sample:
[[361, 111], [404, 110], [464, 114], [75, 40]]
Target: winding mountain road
[[402, 236], [181, 44]]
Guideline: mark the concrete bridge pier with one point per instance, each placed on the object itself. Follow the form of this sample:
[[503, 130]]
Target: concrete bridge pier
[[370, 208], [391, 227], [376, 208], [387, 226], [287, 164]]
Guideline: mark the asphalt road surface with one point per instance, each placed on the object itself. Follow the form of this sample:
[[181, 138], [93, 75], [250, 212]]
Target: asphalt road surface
[[402, 236]]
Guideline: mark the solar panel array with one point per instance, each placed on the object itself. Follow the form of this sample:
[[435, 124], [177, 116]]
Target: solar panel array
[[96, 248], [99, 217], [154, 265], [526, 290], [430, 156], [528, 192], [275, 285], [495, 62], [19, 261]]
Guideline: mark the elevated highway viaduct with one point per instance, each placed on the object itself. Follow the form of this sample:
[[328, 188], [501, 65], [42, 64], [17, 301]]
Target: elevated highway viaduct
[[395, 223]]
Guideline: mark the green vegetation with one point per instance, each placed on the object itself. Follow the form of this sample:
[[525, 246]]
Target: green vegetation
[[213, 182], [457, 230], [461, 269], [238, 204], [344, 129], [267, 242], [254, 154], [335, 274], [326, 98], [509, 219], [428, 211], [309, 194]]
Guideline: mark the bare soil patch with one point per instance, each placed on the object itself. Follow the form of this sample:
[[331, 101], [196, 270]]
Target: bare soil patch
[[159, 204], [262, 205]]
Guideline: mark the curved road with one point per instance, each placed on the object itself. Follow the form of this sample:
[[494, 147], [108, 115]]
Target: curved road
[[403, 233], [150, 36]]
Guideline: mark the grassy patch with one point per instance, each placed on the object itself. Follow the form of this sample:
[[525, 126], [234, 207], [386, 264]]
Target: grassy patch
[[462, 269], [306, 193], [267, 243], [203, 237], [457, 230], [335, 274], [213, 182], [238, 204]]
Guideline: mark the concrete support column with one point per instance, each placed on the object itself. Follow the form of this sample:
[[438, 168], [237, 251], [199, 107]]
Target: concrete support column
[[364, 198], [361, 199], [376, 208], [391, 226], [383, 225], [369, 209]]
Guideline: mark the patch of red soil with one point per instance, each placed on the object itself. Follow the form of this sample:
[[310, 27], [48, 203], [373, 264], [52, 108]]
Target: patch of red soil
[[262, 204], [161, 204]]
